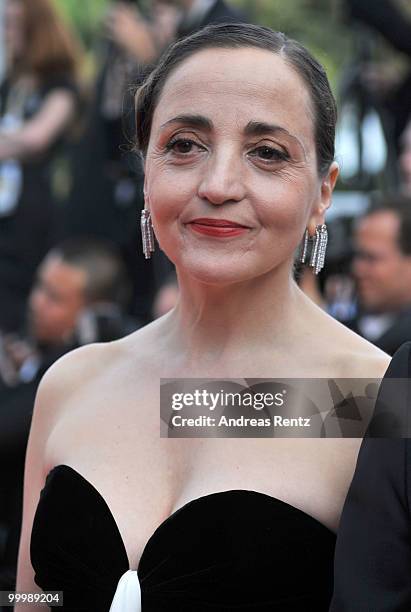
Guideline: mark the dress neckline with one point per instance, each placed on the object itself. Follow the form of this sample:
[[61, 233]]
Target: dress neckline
[[183, 508]]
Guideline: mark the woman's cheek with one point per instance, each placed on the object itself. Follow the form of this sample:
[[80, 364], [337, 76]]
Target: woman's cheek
[[290, 204], [282, 212], [170, 194], [165, 212]]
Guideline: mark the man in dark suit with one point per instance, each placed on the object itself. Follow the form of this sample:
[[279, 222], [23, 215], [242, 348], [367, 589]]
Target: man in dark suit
[[373, 553], [382, 271]]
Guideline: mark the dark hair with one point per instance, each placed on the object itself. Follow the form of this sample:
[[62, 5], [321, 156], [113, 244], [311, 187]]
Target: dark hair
[[400, 205], [107, 278], [240, 35]]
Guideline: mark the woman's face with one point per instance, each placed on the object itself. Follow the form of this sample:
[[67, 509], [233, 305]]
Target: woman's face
[[14, 28], [232, 140]]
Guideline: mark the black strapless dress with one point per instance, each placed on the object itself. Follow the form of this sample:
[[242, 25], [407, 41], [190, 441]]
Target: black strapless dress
[[234, 550]]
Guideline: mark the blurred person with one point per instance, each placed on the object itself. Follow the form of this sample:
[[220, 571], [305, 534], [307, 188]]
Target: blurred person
[[79, 296], [130, 44], [382, 272], [142, 37], [106, 193], [390, 19], [38, 100], [81, 276]]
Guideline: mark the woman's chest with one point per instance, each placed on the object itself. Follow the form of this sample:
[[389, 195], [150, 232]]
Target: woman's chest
[[144, 478]]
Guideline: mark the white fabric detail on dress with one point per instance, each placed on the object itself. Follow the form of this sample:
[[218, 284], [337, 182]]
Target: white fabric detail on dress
[[127, 597]]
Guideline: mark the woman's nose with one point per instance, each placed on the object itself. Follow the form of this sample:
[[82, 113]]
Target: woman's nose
[[223, 178]]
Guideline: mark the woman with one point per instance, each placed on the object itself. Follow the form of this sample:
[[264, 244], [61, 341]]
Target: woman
[[235, 126], [37, 103]]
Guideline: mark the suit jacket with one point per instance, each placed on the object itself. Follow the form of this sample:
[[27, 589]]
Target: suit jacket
[[373, 552], [220, 12]]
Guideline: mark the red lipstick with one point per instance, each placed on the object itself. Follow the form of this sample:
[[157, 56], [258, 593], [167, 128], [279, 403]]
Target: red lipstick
[[217, 227]]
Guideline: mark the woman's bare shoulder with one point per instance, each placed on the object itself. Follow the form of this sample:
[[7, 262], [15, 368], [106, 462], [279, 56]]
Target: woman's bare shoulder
[[90, 367], [86, 362], [77, 368], [145, 347], [344, 352], [355, 357]]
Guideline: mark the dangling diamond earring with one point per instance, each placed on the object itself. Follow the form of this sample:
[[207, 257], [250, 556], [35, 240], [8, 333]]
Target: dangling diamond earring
[[147, 233], [305, 246], [319, 247]]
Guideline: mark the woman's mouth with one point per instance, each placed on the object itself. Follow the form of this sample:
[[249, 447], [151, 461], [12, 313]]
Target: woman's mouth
[[219, 228]]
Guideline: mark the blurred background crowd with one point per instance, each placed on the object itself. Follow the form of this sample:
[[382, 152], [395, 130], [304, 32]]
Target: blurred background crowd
[[71, 264]]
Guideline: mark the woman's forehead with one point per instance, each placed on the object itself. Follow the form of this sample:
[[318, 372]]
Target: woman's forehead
[[256, 67], [241, 84]]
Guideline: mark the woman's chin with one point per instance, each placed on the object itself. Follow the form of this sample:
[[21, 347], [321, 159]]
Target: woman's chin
[[220, 266], [217, 270]]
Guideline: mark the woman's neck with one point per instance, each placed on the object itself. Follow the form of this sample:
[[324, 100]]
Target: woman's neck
[[214, 323]]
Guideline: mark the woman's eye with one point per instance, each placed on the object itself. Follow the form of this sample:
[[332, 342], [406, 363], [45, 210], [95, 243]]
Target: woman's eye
[[182, 146], [270, 154]]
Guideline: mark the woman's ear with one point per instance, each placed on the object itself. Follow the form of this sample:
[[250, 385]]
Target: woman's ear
[[327, 185]]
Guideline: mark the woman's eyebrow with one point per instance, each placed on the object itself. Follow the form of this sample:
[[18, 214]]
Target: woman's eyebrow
[[197, 121], [260, 128], [253, 128]]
